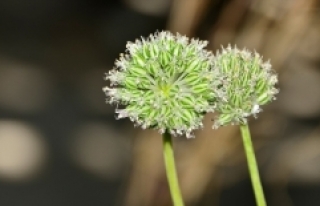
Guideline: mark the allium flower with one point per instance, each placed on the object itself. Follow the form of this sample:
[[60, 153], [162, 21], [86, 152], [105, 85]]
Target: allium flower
[[165, 82], [247, 83]]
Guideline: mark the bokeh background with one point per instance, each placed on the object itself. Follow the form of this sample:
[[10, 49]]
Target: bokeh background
[[60, 144]]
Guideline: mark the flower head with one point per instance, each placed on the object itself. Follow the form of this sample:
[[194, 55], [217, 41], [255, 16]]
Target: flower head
[[165, 82], [247, 83]]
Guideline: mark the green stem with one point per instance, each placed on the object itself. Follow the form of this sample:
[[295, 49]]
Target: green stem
[[252, 165], [171, 170]]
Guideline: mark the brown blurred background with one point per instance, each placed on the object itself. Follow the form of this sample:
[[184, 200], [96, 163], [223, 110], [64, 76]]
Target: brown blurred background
[[60, 144]]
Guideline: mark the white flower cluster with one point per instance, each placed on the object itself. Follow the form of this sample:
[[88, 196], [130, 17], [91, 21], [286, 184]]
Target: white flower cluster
[[248, 83], [166, 82]]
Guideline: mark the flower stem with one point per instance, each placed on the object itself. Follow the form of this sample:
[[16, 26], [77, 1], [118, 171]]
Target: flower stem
[[252, 165], [171, 170]]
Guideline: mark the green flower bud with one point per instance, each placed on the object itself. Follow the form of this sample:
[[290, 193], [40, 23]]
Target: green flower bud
[[247, 83], [165, 82]]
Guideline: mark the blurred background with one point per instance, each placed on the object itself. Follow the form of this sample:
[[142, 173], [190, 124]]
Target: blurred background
[[60, 144]]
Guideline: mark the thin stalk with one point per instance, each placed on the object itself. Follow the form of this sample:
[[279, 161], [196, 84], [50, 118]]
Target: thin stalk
[[252, 165], [171, 170]]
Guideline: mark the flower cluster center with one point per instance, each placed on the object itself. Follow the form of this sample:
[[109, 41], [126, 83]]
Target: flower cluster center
[[165, 89]]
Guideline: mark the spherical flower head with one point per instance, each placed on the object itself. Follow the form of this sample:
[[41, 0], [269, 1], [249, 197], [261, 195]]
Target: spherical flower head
[[247, 83], [165, 82]]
